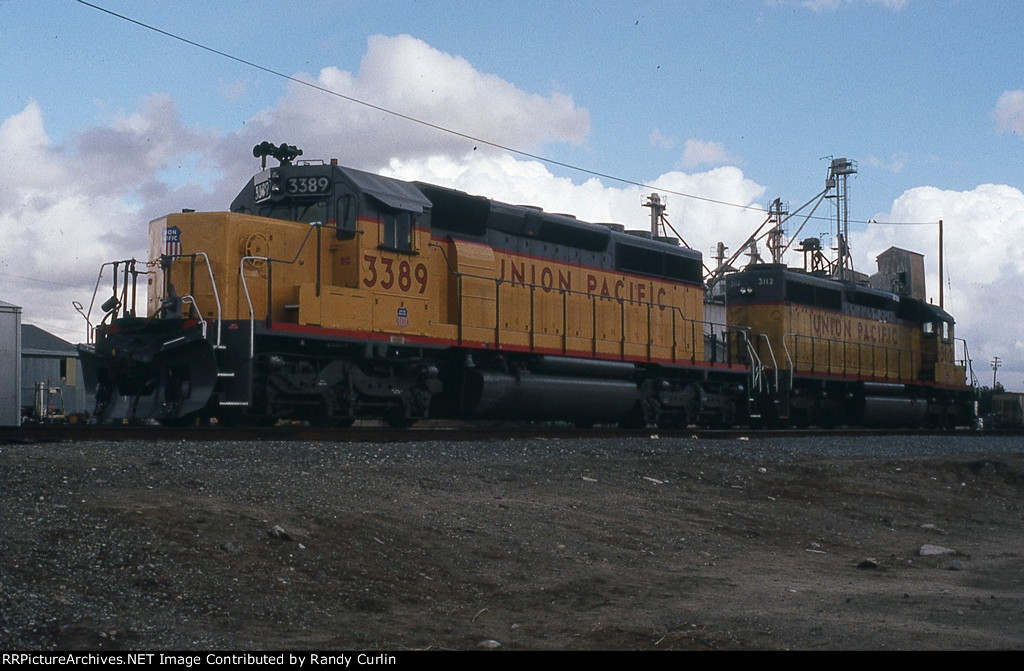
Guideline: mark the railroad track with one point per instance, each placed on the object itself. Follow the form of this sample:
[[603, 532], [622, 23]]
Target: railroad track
[[46, 433]]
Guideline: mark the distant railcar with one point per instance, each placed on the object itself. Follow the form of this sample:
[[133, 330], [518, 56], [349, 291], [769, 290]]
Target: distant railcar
[[1006, 411]]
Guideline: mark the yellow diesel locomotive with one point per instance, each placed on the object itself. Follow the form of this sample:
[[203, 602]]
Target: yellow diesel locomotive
[[329, 294], [834, 352]]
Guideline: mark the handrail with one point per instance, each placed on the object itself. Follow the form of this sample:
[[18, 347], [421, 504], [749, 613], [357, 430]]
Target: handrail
[[216, 297], [192, 288], [860, 368], [756, 367], [696, 325], [966, 362], [775, 363], [248, 300], [593, 298], [190, 299], [129, 265], [268, 260]]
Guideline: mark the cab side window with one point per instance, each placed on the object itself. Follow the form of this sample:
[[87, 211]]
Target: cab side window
[[396, 229], [346, 217]]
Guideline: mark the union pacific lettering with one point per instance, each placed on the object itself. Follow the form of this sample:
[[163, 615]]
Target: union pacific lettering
[[831, 326], [547, 278], [839, 327], [882, 334], [615, 287]]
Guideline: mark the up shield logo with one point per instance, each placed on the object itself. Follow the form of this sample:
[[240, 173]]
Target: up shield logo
[[172, 241]]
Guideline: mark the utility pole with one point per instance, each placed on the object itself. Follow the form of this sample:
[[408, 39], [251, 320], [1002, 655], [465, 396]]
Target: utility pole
[[941, 280], [995, 367]]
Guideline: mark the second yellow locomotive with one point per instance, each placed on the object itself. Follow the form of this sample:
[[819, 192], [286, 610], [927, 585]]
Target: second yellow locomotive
[[837, 352]]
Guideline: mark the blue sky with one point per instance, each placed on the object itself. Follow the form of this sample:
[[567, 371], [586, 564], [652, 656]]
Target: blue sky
[[107, 125]]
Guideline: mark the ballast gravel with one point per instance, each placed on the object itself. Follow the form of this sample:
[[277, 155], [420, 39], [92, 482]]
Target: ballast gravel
[[635, 543]]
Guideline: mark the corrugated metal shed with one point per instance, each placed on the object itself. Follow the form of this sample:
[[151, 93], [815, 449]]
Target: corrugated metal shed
[[51, 375], [10, 364]]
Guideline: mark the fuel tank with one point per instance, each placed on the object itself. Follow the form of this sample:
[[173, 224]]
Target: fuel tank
[[532, 396]]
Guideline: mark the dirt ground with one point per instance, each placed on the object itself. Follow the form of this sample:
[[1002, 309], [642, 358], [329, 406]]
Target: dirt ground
[[636, 544]]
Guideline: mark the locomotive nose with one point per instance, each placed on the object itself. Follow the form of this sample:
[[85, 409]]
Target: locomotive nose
[[135, 376]]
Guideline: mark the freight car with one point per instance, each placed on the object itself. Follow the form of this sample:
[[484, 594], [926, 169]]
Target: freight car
[[1002, 409], [329, 294]]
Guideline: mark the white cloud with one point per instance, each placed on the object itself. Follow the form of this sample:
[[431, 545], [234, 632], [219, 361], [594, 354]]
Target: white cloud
[[55, 230], [65, 210], [127, 154], [233, 91], [697, 153], [727, 208], [983, 230], [1009, 112], [410, 77], [821, 5]]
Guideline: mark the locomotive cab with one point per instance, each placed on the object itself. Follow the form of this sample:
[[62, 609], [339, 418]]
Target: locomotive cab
[[938, 348]]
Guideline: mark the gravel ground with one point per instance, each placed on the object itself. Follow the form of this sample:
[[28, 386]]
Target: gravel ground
[[639, 544]]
